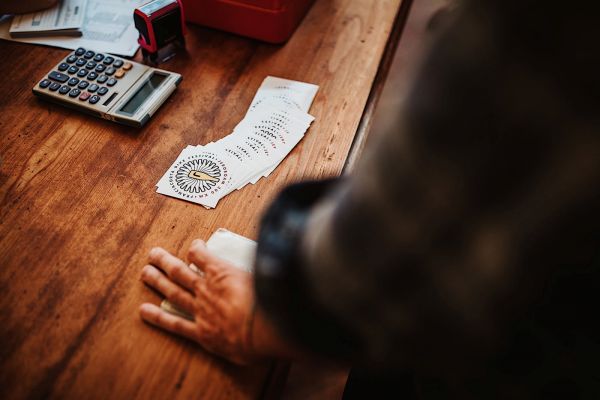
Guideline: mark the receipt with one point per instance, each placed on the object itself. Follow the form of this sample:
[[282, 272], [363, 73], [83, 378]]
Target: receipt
[[107, 28], [66, 18]]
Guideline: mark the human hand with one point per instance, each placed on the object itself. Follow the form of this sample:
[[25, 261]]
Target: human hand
[[221, 301]]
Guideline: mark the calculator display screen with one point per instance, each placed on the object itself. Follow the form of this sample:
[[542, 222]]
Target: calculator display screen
[[143, 93]]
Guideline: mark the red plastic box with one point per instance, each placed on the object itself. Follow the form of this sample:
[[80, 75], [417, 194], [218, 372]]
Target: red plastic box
[[272, 21]]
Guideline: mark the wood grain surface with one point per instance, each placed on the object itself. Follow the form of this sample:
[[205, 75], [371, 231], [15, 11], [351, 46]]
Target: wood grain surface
[[79, 212]]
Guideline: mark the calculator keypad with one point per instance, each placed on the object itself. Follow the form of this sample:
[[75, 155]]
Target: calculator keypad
[[92, 75]]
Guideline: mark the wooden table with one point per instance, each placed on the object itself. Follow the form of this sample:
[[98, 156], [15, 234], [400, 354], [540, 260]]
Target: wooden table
[[79, 212]]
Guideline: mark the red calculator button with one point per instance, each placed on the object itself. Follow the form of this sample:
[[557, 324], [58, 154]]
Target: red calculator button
[[84, 96]]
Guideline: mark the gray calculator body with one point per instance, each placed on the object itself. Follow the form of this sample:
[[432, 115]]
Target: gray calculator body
[[107, 86]]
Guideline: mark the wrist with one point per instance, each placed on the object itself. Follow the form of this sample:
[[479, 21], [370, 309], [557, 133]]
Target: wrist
[[265, 340]]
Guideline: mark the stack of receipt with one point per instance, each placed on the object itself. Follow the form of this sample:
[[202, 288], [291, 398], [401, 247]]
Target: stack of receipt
[[275, 122]]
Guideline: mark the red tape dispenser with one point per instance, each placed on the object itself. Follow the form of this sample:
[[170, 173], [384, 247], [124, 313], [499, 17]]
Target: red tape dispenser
[[162, 28]]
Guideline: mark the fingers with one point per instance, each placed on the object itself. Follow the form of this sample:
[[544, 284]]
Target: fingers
[[202, 258], [175, 294], [175, 268], [160, 318]]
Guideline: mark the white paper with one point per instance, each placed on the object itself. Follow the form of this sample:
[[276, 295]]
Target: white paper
[[107, 28], [237, 249], [67, 14], [200, 176], [276, 121]]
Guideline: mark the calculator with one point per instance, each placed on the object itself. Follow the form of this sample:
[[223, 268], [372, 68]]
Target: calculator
[[107, 86]]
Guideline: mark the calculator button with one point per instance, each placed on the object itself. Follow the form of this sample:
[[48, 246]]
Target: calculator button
[[111, 82], [98, 57], [73, 81], [63, 67], [64, 89], [45, 83], [81, 62], [110, 70], [118, 63], [119, 74], [58, 77], [89, 54], [102, 78], [72, 69], [82, 73], [80, 51], [94, 99], [74, 93], [102, 91], [92, 75], [83, 84], [84, 96], [93, 87], [71, 59], [91, 65], [100, 68], [54, 86], [108, 60], [127, 66]]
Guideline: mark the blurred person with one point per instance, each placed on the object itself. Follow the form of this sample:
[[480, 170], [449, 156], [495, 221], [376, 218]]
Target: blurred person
[[460, 259]]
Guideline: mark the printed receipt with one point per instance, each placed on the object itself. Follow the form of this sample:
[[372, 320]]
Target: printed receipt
[[107, 28], [64, 19]]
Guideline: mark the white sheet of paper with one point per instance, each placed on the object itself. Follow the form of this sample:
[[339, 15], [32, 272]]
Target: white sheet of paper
[[237, 249], [107, 28]]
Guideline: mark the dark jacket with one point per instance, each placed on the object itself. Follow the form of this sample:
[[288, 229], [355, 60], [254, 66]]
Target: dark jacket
[[463, 246]]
